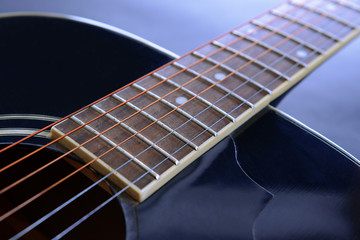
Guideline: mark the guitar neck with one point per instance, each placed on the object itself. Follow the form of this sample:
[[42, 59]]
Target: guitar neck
[[145, 133]]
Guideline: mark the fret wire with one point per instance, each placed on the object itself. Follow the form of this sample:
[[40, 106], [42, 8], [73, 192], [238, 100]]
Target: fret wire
[[235, 72], [133, 131], [157, 75], [160, 123], [267, 46], [118, 148], [334, 17], [296, 39], [230, 111], [293, 50], [348, 4], [97, 208], [263, 65], [232, 71], [312, 27], [218, 85], [290, 69], [175, 108]]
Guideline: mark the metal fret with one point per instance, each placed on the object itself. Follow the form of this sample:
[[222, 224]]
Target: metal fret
[[176, 108], [334, 17], [118, 148], [160, 123], [230, 49], [299, 21], [133, 131], [195, 95], [292, 37], [225, 89], [235, 72], [350, 4], [269, 47]]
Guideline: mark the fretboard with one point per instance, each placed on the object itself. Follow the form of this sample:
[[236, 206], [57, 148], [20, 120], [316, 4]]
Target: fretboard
[[145, 133]]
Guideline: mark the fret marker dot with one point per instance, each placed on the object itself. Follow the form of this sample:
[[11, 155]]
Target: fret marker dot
[[181, 100], [298, 1], [219, 76], [330, 6], [250, 30], [301, 53]]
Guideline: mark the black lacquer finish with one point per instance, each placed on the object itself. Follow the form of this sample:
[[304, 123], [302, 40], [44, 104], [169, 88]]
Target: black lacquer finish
[[310, 190], [54, 66], [211, 199], [316, 187], [273, 181]]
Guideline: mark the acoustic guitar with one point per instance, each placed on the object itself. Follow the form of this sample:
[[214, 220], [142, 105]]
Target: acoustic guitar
[[187, 147]]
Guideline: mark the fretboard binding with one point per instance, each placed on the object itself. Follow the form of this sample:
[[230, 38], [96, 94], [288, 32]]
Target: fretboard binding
[[231, 70], [304, 24], [269, 47], [287, 36], [139, 135], [195, 95], [192, 118], [218, 85], [157, 121], [334, 17], [232, 50], [118, 148]]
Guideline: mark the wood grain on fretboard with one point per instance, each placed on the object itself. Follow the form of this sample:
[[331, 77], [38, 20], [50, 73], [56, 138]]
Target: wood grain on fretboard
[[161, 123]]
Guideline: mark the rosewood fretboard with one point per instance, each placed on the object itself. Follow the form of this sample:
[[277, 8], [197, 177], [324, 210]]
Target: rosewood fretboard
[[149, 131]]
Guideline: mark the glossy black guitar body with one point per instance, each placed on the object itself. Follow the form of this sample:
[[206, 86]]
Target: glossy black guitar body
[[273, 180]]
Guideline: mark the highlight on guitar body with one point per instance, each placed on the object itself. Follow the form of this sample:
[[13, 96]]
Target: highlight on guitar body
[[181, 147]]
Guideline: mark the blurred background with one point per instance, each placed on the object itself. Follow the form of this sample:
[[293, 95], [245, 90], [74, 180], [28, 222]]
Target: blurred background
[[328, 100]]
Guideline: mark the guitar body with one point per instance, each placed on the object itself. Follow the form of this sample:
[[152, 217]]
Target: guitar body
[[275, 179]]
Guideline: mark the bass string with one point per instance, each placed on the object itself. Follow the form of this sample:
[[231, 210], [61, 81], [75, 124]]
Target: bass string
[[200, 93], [56, 140], [164, 159], [24, 178]]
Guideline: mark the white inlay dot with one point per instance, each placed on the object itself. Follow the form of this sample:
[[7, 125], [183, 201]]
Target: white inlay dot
[[301, 53], [250, 30], [219, 76], [181, 100], [298, 1], [330, 6]]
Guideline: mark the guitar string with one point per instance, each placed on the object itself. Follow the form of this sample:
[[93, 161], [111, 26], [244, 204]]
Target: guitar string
[[114, 92], [46, 165], [25, 203], [85, 190], [7, 188], [74, 225], [56, 140], [269, 83], [111, 198], [19, 206]]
